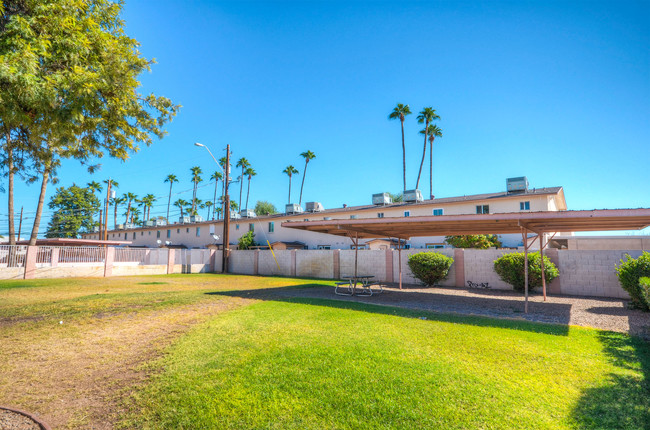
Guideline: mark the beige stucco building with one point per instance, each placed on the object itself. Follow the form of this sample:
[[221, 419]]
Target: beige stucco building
[[269, 228]]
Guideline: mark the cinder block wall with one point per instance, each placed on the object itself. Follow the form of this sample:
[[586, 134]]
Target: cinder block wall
[[479, 267], [315, 264]]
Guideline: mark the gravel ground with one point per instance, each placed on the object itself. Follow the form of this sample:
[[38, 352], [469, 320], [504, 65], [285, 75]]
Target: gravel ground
[[10, 420], [602, 313]]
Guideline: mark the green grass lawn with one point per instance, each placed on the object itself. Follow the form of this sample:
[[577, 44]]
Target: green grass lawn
[[284, 363]]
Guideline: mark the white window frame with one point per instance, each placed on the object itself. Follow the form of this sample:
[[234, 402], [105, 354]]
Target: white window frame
[[483, 209], [271, 227], [380, 214], [522, 205]]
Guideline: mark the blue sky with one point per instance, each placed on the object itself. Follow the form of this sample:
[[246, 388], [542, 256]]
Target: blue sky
[[556, 91]]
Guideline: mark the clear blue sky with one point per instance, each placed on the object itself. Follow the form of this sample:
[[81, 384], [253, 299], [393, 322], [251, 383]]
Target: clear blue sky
[[556, 91]]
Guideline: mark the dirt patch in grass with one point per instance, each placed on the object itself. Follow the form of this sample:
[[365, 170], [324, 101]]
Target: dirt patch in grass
[[76, 377]]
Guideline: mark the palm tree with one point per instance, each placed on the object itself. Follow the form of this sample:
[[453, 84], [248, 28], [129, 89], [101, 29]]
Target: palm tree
[[400, 111], [196, 171], [171, 178], [216, 176], [96, 187], [290, 171], [308, 155], [218, 211], [433, 132], [208, 205], [244, 164], [129, 197], [180, 204], [114, 184], [250, 172], [147, 203], [427, 115], [116, 202]]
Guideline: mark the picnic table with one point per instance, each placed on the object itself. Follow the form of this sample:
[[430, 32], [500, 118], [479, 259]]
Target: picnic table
[[363, 283]]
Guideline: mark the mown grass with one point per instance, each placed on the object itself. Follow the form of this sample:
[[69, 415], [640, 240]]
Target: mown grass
[[284, 363], [314, 364]]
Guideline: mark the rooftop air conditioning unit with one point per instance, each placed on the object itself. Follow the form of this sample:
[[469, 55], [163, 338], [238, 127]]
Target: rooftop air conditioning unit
[[293, 208], [382, 199], [196, 218], [184, 219], [234, 215], [120, 227], [247, 213], [314, 207], [413, 196], [129, 225], [159, 221], [150, 223], [517, 185]]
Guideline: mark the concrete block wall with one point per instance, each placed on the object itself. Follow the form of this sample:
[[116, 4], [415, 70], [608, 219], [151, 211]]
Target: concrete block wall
[[266, 263], [370, 263], [592, 273], [242, 262], [315, 264], [479, 267]]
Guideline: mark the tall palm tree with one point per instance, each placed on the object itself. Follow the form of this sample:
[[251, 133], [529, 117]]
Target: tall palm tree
[[399, 112], [196, 171], [129, 197], [222, 163], [427, 115], [290, 171], [249, 172], [208, 205], [244, 164], [96, 187], [307, 155], [114, 184], [216, 176], [171, 178], [147, 203], [433, 132], [218, 211]]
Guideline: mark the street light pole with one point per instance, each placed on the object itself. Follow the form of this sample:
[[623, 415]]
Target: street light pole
[[226, 220]]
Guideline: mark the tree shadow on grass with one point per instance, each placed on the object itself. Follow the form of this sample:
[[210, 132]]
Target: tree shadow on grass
[[283, 294], [624, 401]]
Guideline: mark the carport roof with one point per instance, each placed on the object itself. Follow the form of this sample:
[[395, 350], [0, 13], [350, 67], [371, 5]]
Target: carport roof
[[498, 223]]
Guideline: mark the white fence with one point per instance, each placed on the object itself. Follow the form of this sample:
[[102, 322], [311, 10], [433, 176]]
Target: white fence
[[12, 255]]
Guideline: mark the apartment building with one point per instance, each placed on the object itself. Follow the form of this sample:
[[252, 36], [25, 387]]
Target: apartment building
[[268, 229]]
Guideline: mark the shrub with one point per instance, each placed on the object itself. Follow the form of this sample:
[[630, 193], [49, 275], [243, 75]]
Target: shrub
[[430, 267], [510, 268], [629, 273], [644, 284], [478, 241], [246, 240]]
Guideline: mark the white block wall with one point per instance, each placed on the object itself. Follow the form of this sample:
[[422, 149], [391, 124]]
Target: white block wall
[[479, 267]]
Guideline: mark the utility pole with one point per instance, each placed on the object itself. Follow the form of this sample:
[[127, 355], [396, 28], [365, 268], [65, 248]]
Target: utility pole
[[108, 195], [101, 228], [226, 212], [20, 224]]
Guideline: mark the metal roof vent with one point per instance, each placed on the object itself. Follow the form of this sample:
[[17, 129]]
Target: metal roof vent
[[517, 185], [413, 196]]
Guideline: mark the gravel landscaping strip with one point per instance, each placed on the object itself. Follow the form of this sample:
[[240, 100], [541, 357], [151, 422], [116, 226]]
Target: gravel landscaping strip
[[10, 420]]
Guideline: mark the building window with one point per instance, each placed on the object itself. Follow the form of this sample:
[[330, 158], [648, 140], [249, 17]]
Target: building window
[[158, 234], [198, 231], [149, 233], [187, 230], [169, 234], [353, 216], [271, 227], [251, 227], [178, 230], [438, 212], [236, 226], [142, 233], [324, 247], [524, 206], [307, 219], [407, 213], [134, 235], [407, 246], [380, 215], [483, 209], [435, 245]]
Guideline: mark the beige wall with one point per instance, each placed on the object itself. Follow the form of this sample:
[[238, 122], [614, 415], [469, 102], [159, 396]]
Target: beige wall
[[608, 242]]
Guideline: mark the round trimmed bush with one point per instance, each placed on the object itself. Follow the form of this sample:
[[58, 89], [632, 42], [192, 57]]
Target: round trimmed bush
[[510, 268], [644, 284], [629, 273], [430, 267]]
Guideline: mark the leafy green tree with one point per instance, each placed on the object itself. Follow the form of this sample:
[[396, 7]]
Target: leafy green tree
[[290, 171], [171, 178], [433, 131], [247, 240], [397, 197], [74, 208], [399, 112], [244, 164], [427, 115], [307, 155], [265, 208], [477, 241], [68, 80], [249, 172]]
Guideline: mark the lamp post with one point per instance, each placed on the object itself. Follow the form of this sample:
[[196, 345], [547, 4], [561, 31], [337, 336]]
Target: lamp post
[[226, 208]]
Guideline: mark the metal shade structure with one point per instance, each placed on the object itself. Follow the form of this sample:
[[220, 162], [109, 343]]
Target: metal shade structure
[[498, 223]]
